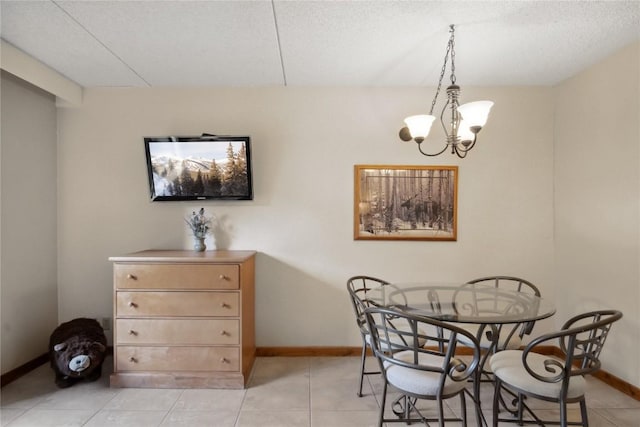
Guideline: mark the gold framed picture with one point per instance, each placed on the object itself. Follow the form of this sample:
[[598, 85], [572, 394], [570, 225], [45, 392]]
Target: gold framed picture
[[405, 202]]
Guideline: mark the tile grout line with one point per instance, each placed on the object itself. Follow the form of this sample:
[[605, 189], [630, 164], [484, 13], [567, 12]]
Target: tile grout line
[[172, 407], [244, 396]]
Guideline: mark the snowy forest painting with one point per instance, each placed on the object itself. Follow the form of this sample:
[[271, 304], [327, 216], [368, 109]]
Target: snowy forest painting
[[189, 168], [405, 202]]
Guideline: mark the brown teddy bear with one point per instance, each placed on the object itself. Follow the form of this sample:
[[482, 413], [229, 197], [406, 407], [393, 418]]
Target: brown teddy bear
[[77, 349]]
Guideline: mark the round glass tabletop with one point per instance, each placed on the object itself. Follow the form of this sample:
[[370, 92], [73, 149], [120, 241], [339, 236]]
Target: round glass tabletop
[[466, 303]]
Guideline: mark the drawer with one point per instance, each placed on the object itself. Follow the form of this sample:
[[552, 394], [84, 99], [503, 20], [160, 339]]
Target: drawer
[[178, 331], [163, 304], [132, 358], [176, 276]]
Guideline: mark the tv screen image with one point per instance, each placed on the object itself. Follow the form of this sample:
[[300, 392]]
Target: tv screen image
[[199, 167]]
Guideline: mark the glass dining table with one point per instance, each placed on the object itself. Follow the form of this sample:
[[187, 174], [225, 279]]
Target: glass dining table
[[497, 313]]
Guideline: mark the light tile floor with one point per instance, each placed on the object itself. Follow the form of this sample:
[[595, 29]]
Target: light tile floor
[[311, 392]]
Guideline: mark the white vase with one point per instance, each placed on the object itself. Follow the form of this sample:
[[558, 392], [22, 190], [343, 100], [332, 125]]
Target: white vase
[[198, 244]]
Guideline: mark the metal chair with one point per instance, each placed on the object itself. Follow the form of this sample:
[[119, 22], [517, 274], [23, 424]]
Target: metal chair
[[432, 372], [527, 373], [363, 294], [509, 335]]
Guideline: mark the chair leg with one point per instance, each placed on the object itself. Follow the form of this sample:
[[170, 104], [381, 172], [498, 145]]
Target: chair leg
[[440, 412], [520, 409], [407, 407], [463, 408], [583, 413], [362, 362], [563, 414], [496, 401], [383, 403]]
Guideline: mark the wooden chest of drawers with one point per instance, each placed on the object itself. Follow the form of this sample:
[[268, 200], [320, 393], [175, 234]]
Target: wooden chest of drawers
[[184, 319]]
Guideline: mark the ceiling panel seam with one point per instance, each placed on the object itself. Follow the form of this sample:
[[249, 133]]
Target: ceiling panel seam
[[101, 43], [275, 22]]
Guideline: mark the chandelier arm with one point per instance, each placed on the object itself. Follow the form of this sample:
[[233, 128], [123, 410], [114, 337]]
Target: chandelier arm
[[452, 105], [461, 150], [470, 146], [460, 153], [442, 120], [432, 155], [465, 149]]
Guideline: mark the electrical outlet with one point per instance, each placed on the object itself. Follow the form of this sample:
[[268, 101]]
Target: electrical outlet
[[105, 322]]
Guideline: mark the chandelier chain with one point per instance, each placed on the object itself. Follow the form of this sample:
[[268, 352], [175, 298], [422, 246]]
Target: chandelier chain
[[452, 44], [449, 53]]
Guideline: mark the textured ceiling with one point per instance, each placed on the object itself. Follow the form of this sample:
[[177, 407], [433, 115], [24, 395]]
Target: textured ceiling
[[311, 43]]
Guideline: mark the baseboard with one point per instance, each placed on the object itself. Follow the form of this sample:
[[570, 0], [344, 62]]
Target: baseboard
[[21, 370], [308, 351], [610, 379]]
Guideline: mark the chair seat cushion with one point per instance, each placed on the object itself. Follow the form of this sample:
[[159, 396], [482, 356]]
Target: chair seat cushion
[[508, 366], [419, 382], [514, 343]]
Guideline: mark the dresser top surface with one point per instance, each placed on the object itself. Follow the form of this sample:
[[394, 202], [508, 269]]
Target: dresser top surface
[[184, 256]]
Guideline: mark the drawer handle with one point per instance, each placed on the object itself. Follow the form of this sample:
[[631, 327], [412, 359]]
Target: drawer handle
[[132, 332], [132, 276], [224, 360], [133, 304], [224, 333], [133, 360], [224, 305], [223, 277]]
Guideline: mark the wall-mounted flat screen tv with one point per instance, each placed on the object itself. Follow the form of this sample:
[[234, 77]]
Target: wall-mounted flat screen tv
[[199, 167]]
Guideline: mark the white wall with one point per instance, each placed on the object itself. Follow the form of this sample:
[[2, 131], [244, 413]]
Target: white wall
[[28, 222], [597, 195], [305, 144]]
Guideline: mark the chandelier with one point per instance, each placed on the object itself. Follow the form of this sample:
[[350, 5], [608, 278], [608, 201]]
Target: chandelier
[[464, 121]]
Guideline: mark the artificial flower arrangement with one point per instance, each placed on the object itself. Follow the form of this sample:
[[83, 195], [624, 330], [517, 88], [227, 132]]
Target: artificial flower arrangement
[[199, 223]]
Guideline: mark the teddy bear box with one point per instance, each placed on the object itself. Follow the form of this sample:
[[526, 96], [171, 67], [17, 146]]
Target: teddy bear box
[[77, 349]]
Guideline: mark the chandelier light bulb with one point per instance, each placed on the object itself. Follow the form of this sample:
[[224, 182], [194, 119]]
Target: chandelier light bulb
[[475, 113], [465, 133], [419, 126]]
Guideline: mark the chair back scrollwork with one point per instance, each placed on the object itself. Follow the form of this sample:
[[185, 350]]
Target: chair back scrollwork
[[581, 340]]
